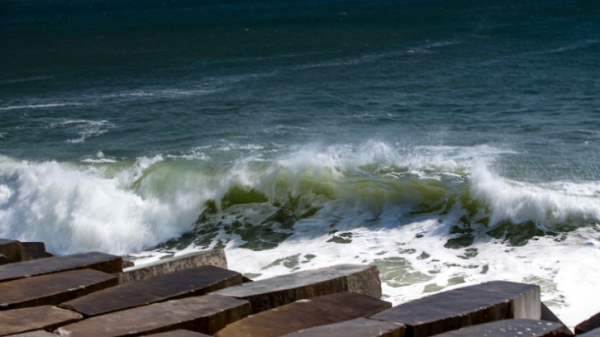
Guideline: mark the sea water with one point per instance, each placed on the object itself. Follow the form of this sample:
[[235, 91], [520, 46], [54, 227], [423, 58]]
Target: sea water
[[447, 142]]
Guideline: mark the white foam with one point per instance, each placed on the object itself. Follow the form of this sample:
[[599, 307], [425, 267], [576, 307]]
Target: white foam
[[38, 106]]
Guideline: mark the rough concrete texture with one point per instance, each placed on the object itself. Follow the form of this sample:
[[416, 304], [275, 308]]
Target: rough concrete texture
[[11, 249], [215, 258], [180, 333], [588, 325], [510, 328], [360, 327], [185, 283], [53, 289], [33, 250], [592, 333], [462, 307], [305, 314], [274, 292], [44, 317], [548, 315], [3, 260], [38, 333], [99, 261], [206, 314]]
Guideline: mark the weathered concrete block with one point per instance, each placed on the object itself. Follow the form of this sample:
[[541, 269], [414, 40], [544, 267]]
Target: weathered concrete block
[[305, 314], [205, 314], [592, 333], [181, 284], [11, 249], [33, 250], [180, 333], [271, 293], [462, 307], [360, 327], [38, 333], [99, 261], [510, 328], [37, 318], [588, 325], [215, 258], [53, 289], [3, 260]]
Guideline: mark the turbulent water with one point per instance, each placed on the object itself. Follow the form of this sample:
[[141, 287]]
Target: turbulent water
[[447, 142]]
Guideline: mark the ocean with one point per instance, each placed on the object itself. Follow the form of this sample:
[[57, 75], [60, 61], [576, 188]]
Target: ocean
[[447, 142]]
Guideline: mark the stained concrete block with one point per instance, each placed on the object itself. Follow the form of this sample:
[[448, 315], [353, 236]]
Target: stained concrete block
[[462, 307], [53, 289], [274, 292], [38, 333], [588, 325], [510, 328], [185, 283], [215, 258], [33, 250], [591, 333], [180, 333], [11, 249], [98, 261], [3, 260], [360, 327], [305, 314], [45, 317], [205, 314]]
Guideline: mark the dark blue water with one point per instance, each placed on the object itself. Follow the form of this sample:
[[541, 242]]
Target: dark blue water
[[336, 129]]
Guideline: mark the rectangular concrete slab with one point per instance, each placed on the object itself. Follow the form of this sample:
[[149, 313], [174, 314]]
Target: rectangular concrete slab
[[592, 333], [305, 314], [588, 325], [53, 289], [45, 317], [33, 250], [274, 292], [548, 315], [215, 258], [180, 333], [98, 261], [38, 333], [360, 327], [185, 283], [462, 307], [510, 328], [11, 249], [205, 314]]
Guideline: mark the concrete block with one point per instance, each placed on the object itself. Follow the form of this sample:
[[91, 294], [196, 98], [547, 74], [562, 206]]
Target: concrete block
[[33, 250], [510, 328], [592, 333], [305, 314], [180, 333], [44, 317], [360, 327], [53, 289], [191, 282], [99, 261], [11, 249], [274, 292], [215, 258], [205, 314], [588, 325], [462, 307], [3, 260], [38, 333]]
